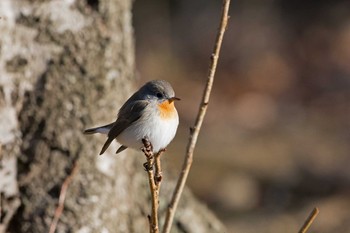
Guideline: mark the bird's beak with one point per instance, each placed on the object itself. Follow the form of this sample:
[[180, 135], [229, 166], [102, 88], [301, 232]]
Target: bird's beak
[[173, 99]]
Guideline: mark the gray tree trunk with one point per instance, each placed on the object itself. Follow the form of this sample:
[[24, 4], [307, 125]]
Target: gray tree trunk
[[66, 65]]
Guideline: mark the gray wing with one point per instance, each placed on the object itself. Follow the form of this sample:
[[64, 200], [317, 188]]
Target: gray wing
[[130, 112]]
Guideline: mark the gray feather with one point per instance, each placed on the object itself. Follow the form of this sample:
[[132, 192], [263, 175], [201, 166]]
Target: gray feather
[[128, 114], [101, 129], [121, 149]]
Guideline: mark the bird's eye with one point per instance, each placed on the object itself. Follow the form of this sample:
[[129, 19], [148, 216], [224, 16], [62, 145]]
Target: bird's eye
[[159, 95]]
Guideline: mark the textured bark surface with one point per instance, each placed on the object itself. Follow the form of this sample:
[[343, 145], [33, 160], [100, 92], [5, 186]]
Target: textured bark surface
[[68, 65]]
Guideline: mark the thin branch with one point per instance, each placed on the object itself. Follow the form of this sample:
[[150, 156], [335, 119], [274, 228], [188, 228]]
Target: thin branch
[[199, 120], [62, 197], [309, 220], [153, 219], [158, 172], [12, 205]]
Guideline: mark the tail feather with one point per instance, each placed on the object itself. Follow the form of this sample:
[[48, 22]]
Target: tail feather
[[101, 129], [106, 145], [121, 148]]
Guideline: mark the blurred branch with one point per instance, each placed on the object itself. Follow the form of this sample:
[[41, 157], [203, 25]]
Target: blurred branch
[[9, 201], [199, 120], [62, 197], [309, 220]]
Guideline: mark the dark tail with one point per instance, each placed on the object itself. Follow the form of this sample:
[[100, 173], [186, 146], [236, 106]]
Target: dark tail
[[101, 129], [106, 145], [90, 131]]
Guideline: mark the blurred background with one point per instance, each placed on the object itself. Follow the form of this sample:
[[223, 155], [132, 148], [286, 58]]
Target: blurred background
[[275, 141]]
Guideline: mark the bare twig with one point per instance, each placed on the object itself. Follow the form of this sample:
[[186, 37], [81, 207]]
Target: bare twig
[[158, 172], [62, 197], [12, 205], [153, 219], [309, 220], [199, 120]]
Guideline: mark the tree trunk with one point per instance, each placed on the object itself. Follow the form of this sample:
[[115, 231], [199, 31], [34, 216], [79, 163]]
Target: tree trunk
[[66, 65]]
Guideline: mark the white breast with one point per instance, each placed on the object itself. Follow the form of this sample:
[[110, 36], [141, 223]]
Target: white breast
[[159, 131]]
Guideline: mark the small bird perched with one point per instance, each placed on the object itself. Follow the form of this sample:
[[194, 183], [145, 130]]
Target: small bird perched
[[149, 113]]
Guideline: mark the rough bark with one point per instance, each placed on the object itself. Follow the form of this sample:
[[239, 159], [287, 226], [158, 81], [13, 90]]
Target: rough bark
[[66, 65]]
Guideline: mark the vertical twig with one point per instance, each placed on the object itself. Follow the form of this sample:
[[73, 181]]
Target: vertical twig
[[309, 220], [154, 187], [199, 120], [158, 172], [62, 197]]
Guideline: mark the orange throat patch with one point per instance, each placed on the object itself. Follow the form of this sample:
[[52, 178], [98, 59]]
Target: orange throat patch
[[167, 109]]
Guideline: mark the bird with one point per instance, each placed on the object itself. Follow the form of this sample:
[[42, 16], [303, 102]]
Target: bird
[[149, 113]]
